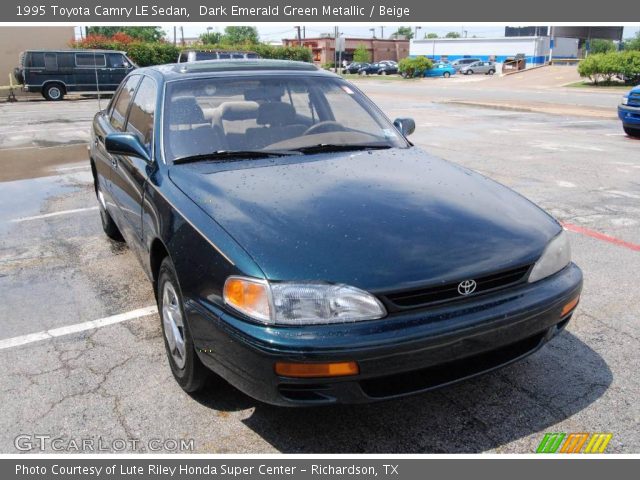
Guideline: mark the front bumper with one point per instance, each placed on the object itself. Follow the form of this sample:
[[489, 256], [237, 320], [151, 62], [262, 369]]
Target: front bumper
[[629, 115], [398, 355]]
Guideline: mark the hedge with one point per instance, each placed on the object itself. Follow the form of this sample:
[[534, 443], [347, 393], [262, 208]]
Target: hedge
[[605, 66], [411, 67], [156, 53]]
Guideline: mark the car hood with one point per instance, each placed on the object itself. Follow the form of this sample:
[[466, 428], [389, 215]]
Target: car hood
[[377, 220]]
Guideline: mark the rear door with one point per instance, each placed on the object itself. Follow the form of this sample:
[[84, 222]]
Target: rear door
[[113, 120], [130, 173], [91, 71]]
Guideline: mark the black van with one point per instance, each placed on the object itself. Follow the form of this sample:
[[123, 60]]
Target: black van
[[198, 55], [55, 73]]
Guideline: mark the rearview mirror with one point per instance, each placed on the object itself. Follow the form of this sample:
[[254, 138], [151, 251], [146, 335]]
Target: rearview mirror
[[126, 144], [406, 125]]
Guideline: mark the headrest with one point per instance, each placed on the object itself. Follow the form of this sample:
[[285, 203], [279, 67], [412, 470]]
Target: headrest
[[233, 111], [276, 114], [185, 110]]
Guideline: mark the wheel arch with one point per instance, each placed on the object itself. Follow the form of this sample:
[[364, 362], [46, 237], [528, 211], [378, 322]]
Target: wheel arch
[[157, 253]]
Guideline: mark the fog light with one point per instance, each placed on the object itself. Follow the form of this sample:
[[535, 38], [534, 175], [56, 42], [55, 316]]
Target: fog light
[[315, 370], [569, 306]]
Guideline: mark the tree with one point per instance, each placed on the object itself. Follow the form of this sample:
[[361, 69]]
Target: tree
[[453, 35], [633, 43], [361, 54], [144, 34], [431, 35], [240, 35], [211, 38], [602, 46], [407, 32]]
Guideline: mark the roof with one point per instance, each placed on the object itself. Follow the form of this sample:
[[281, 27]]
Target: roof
[[71, 50], [238, 66]]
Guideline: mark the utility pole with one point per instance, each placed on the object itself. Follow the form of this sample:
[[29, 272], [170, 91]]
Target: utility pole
[[182, 35], [299, 37], [304, 32], [175, 35], [415, 35], [373, 32], [381, 31]]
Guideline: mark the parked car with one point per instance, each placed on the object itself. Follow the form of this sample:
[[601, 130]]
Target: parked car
[[488, 68], [440, 70], [461, 62], [303, 272], [629, 112], [354, 67], [199, 55], [379, 69], [54, 73]]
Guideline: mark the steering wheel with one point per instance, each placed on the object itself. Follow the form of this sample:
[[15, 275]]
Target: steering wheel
[[324, 127]]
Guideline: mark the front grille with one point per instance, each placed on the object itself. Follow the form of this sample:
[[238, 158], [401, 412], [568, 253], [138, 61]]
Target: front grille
[[634, 100], [448, 292]]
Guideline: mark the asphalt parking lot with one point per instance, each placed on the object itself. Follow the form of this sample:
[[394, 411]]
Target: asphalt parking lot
[[68, 378]]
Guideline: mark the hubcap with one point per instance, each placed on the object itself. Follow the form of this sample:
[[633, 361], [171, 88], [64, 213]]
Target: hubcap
[[54, 92], [173, 324]]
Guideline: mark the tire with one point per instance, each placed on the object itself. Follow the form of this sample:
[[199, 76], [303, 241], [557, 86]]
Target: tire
[[53, 92], [108, 225], [363, 73], [632, 132], [446, 74], [491, 72], [383, 72], [185, 364], [469, 72]]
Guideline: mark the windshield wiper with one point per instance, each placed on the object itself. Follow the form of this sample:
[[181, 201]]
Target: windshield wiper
[[234, 154], [331, 147]]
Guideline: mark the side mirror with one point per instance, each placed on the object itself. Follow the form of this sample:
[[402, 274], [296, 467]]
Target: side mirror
[[406, 125], [126, 144]]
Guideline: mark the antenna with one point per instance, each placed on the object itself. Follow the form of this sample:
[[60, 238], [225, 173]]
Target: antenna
[[95, 70]]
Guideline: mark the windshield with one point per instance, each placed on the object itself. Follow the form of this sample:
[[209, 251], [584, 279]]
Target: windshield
[[205, 116]]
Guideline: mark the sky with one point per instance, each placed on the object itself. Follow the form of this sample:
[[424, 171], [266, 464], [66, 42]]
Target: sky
[[278, 32]]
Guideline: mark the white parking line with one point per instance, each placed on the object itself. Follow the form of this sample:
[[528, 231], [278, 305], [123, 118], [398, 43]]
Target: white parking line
[[78, 327], [53, 214]]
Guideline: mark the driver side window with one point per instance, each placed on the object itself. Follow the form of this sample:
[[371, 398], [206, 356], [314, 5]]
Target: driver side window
[[121, 105]]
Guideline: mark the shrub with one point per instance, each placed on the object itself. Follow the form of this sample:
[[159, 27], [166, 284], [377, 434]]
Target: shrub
[[361, 54], [601, 67], [411, 67]]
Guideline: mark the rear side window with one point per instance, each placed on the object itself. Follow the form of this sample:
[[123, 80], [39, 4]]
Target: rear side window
[[142, 111], [90, 60], [117, 60], [51, 61], [119, 112]]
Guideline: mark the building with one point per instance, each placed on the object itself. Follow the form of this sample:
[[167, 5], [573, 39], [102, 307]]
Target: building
[[536, 50], [14, 40], [323, 48]]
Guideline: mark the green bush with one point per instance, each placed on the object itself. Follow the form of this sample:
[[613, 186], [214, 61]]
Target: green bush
[[300, 54], [603, 67], [145, 54], [412, 67]]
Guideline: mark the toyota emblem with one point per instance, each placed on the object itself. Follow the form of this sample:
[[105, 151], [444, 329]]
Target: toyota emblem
[[467, 287]]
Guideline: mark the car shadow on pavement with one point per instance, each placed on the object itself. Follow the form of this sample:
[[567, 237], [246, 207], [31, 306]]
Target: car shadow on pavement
[[480, 414]]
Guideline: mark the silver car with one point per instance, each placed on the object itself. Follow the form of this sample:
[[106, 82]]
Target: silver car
[[488, 68]]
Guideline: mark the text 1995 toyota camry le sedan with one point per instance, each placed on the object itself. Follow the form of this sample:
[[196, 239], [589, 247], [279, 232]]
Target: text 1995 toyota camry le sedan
[[302, 249]]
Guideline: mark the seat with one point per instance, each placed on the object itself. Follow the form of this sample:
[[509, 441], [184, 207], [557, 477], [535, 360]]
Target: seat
[[189, 132], [278, 122]]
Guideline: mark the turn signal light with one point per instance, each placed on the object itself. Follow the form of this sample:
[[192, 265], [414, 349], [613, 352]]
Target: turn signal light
[[248, 296], [316, 370], [569, 306]]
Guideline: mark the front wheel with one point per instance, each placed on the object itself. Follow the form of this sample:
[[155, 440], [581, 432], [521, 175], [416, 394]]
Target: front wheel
[[491, 72], [446, 74], [632, 132], [383, 72], [469, 72], [185, 365]]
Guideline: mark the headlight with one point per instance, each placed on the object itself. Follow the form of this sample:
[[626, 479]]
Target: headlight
[[287, 303], [556, 256], [625, 100]]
